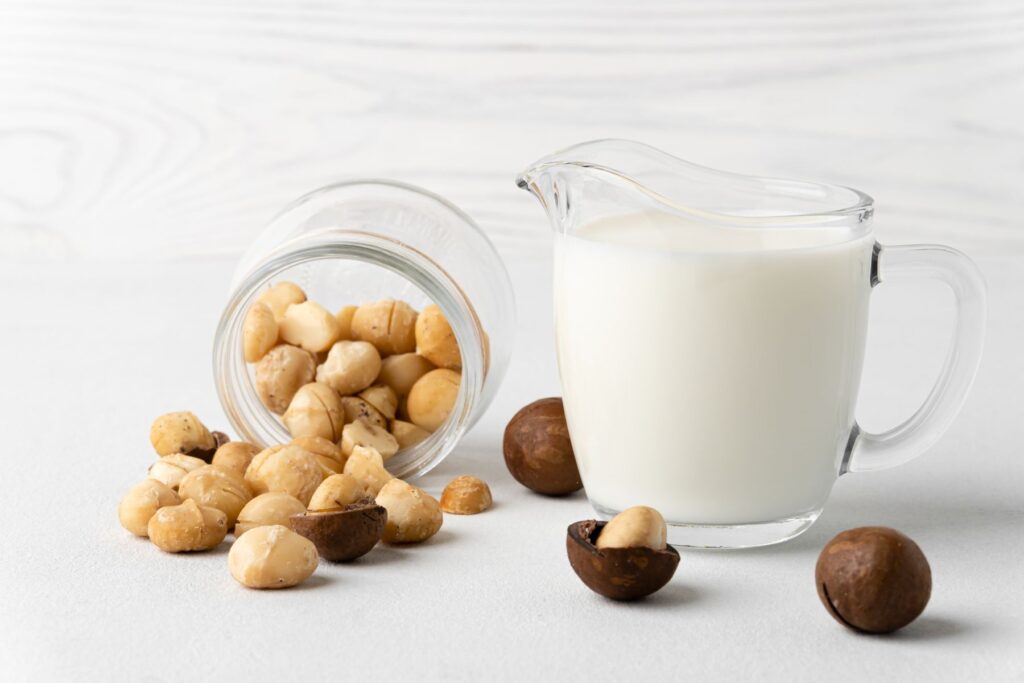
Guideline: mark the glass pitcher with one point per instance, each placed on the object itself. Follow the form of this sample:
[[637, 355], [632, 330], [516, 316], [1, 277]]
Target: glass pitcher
[[710, 331]]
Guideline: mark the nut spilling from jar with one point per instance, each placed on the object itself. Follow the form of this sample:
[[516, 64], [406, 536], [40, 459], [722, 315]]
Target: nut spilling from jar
[[379, 375], [624, 559]]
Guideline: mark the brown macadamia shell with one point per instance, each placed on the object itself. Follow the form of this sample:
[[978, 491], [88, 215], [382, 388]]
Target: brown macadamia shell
[[873, 579], [343, 535], [618, 573], [538, 451]]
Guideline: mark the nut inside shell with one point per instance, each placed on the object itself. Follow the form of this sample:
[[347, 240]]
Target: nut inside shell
[[346, 534], [617, 573]]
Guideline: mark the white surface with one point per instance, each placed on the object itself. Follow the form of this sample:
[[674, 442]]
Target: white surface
[[143, 144]]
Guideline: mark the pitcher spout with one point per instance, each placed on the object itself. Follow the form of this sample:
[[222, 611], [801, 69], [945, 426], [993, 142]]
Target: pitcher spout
[[601, 177]]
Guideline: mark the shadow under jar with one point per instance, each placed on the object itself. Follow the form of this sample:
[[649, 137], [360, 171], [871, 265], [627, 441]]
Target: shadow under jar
[[359, 242]]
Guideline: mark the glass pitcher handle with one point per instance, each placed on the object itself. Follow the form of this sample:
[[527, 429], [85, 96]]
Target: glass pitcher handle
[[915, 263]]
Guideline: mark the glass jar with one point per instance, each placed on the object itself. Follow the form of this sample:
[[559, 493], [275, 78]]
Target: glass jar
[[362, 241]]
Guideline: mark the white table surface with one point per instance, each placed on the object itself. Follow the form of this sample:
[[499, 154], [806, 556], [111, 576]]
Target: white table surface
[[143, 144]]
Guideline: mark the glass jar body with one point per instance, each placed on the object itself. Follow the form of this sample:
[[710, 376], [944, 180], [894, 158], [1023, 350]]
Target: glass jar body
[[362, 241]]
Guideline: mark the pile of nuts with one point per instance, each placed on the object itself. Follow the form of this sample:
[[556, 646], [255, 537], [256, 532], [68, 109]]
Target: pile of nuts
[[288, 505], [379, 375]]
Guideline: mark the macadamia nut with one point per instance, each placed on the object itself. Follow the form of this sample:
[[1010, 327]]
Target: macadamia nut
[[187, 527], [265, 509], [335, 492], [310, 326], [433, 397], [401, 372], [171, 469], [142, 502], [407, 434], [217, 487], [235, 455], [363, 433], [272, 557], [279, 297], [383, 398], [389, 325], [315, 410], [328, 454], [259, 332], [635, 527], [435, 340], [466, 495], [180, 433], [344, 317], [290, 468], [359, 409], [367, 466], [351, 366], [413, 514], [281, 373]]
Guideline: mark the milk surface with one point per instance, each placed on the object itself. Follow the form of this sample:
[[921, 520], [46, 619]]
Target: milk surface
[[710, 371]]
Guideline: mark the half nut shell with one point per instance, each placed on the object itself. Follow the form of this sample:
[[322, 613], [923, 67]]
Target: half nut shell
[[343, 535], [617, 573]]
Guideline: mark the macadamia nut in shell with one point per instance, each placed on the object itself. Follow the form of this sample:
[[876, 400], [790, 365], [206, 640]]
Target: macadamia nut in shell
[[635, 527]]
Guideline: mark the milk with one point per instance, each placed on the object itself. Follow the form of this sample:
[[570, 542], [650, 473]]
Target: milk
[[710, 371]]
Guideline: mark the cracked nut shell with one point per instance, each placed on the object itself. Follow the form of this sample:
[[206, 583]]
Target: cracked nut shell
[[343, 535], [538, 452], [873, 579], [617, 573]]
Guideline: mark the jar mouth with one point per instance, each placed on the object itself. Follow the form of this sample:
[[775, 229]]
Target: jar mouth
[[256, 423]]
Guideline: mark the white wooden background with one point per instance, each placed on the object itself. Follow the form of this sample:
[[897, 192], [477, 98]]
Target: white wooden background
[[144, 142]]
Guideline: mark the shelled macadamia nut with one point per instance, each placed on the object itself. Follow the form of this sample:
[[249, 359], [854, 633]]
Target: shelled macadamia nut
[[466, 495], [351, 366], [433, 397], [413, 514], [171, 469], [259, 332], [235, 455], [315, 410], [363, 433], [272, 557], [328, 454], [635, 527], [367, 466], [359, 409], [335, 492], [282, 372], [309, 326], [142, 502], [181, 433], [383, 398], [435, 340], [279, 297], [187, 527], [400, 372], [344, 317], [290, 468], [265, 509], [407, 434], [217, 487], [389, 325]]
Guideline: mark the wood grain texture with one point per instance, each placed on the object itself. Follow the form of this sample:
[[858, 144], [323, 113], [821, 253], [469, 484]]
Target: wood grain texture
[[168, 129]]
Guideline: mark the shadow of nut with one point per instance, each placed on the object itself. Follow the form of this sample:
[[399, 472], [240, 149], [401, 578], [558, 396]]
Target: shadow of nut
[[617, 573], [346, 534]]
